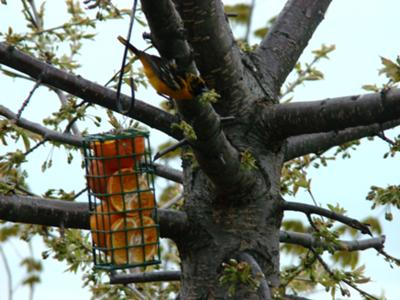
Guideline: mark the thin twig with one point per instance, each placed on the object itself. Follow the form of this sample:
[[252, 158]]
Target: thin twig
[[248, 25], [312, 197], [36, 16], [349, 283], [292, 85], [333, 275], [80, 193], [310, 209], [136, 292], [71, 124], [170, 149], [32, 285], [35, 147], [30, 16], [21, 189], [26, 101], [303, 266], [8, 272], [312, 223], [121, 74], [382, 136], [387, 256]]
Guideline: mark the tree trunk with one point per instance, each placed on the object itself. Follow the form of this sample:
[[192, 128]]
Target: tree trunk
[[225, 224]]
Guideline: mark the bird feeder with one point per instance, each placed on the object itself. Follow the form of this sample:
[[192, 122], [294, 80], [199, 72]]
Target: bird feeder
[[123, 213]]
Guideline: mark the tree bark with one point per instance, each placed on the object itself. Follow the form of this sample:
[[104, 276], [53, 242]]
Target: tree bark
[[232, 178]]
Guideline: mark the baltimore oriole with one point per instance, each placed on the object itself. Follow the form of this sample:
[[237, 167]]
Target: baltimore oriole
[[165, 78]]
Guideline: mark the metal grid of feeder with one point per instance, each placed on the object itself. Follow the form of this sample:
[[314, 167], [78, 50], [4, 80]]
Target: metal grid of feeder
[[120, 179]]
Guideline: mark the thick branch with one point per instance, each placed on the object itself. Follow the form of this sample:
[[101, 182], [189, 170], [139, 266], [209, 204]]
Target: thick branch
[[66, 138], [311, 209], [208, 31], [284, 43], [85, 89], [168, 173], [309, 241], [284, 120], [167, 33], [49, 212], [214, 153], [145, 277], [34, 210], [212, 149], [217, 158], [320, 142], [173, 224]]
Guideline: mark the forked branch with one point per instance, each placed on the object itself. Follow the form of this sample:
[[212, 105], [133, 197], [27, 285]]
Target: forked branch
[[173, 224], [84, 89], [208, 31], [311, 209], [281, 121], [319, 142], [309, 241], [66, 138]]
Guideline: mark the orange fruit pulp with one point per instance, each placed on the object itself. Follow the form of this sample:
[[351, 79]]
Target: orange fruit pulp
[[97, 178], [100, 224], [124, 187], [119, 153], [132, 244]]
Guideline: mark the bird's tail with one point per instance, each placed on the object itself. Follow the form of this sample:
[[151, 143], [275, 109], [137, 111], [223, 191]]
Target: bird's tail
[[135, 50]]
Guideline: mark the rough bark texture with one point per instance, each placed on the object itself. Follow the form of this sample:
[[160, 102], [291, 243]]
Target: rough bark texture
[[232, 183], [283, 45], [230, 208]]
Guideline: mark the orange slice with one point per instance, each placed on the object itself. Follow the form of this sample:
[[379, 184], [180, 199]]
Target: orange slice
[[97, 178], [120, 153], [124, 187], [100, 224], [132, 245]]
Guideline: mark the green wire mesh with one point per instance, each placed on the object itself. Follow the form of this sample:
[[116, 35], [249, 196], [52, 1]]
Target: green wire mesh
[[120, 179]]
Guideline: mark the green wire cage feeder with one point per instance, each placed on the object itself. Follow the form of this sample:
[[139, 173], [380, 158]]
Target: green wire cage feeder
[[120, 179]]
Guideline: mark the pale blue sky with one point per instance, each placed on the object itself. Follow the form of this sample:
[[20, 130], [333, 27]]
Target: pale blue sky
[[362, 30]]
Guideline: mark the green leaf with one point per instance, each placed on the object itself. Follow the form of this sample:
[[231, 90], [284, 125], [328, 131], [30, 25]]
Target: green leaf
[[261, 32], [346, 259], [324, 51], [374, 224], [390, 69], [371, 88]]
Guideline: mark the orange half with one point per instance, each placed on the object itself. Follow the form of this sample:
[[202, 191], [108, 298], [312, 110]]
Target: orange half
[[133, 245], [124, 187], [100, 224], [119, 153]]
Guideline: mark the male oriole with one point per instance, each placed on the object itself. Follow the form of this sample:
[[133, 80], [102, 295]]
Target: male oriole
[[165, 78]]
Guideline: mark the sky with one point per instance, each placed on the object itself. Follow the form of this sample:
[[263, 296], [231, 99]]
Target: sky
[[362, 30]]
